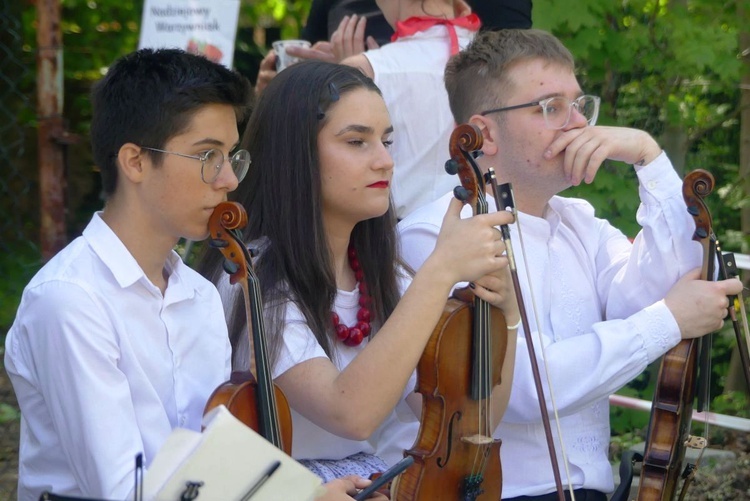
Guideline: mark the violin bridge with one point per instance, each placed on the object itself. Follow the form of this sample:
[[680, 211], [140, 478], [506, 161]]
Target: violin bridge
[[478, 440], [696, 442]]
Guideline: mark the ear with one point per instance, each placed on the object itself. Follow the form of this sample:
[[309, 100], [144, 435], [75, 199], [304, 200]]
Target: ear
[[490, 132], [130, 161]]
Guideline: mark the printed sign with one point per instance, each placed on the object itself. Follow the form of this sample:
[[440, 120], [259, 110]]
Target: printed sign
[[206, 27]]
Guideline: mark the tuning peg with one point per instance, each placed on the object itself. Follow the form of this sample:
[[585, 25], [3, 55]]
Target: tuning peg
[[461, 193], [230, 267], [218, 243], [451, 166]]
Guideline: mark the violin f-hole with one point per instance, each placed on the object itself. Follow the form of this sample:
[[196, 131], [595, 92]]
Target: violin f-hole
[[442, 463]]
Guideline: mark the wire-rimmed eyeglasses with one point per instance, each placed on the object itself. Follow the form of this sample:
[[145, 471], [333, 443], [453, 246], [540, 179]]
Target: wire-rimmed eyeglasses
[[557, 109], [213, 160]]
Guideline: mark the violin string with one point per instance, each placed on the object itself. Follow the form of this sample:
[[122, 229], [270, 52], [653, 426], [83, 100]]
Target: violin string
[[707, 411], [258, 353], [480, 316], [544, 357], [483, 318], [486, 383], [262, 355]]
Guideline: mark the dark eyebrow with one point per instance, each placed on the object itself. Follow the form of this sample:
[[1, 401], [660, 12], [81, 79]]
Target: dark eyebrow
[[209, 141], [362, 129]]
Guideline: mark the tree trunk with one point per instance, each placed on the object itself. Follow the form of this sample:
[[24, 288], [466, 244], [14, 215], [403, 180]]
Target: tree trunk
[[674, 140]]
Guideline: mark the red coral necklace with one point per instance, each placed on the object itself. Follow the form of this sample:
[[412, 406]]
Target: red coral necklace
[[353, 336]]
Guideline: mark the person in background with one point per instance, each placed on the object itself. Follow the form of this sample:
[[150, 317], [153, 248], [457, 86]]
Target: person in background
[[326, 17], [605, 307], [409, 71], [343, 28]]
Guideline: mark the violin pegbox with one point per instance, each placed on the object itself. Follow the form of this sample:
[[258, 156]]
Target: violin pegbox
[[465, 140], [225, 219]]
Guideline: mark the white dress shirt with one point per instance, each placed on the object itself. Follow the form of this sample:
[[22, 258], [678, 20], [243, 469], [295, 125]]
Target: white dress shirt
[[409, 73], [104, 366], [601, 319]]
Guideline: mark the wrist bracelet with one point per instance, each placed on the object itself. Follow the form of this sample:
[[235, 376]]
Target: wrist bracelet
[[516, 326]]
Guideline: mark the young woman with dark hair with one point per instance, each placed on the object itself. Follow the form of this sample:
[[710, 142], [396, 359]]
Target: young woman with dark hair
[[346, 322]]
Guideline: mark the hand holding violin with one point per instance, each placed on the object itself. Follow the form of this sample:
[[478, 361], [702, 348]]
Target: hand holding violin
[[497, 289], [470, 248], [700, 306]]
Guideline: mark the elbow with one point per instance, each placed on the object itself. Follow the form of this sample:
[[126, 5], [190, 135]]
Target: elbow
[[356, 429], [351, 425]]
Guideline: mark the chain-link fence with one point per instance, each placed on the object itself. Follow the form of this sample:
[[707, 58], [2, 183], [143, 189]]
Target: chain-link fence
[[17, 139], [18, 199]]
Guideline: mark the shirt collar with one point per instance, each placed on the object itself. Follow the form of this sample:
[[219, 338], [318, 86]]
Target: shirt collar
[[545, 225], [126, 270]]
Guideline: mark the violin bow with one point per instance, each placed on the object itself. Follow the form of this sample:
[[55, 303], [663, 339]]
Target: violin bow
[[737, 314], [505, 194]]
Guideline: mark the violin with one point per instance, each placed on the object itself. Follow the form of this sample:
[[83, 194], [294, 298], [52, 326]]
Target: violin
[[455, 456], [677, 385], [250, 396], [669, 425]]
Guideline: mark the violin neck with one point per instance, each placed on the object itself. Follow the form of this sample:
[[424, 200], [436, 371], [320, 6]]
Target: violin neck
[[267, 415], [481, 372]]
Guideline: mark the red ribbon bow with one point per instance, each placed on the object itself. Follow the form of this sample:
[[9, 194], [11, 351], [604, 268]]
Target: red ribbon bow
[[420, 23]]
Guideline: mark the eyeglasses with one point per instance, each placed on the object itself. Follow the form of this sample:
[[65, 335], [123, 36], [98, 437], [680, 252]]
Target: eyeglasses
[[557, 109], [213, 160]]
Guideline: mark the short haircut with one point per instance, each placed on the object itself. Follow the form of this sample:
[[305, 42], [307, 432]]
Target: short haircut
[[477, 77], [149, 96]]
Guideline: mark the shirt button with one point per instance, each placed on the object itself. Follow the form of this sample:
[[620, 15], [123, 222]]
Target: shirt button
[[651, 185]]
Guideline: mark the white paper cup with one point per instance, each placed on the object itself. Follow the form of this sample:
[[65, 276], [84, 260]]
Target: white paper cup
[[282, 58]]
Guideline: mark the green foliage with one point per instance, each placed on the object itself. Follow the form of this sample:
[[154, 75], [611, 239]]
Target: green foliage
[[670, 68], [733, 403], [288, 15], [16, 268], [8, 413], [627, 423]]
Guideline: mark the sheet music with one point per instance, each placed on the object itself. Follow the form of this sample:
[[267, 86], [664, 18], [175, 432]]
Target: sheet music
[[229, 458]]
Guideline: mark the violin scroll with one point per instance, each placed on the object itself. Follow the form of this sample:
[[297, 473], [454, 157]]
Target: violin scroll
[[227, 217], [697, 185], [465, 139]]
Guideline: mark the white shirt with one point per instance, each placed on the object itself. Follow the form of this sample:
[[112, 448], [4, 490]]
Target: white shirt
[[602, 321], [310, 441], [409, 72], [104, 366]]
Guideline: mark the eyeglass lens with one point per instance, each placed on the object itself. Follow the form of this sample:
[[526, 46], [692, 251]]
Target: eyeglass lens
[[557, 110], [214, 161]]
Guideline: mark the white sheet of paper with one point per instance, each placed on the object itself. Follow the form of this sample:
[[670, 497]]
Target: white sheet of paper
[[228, 457]]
